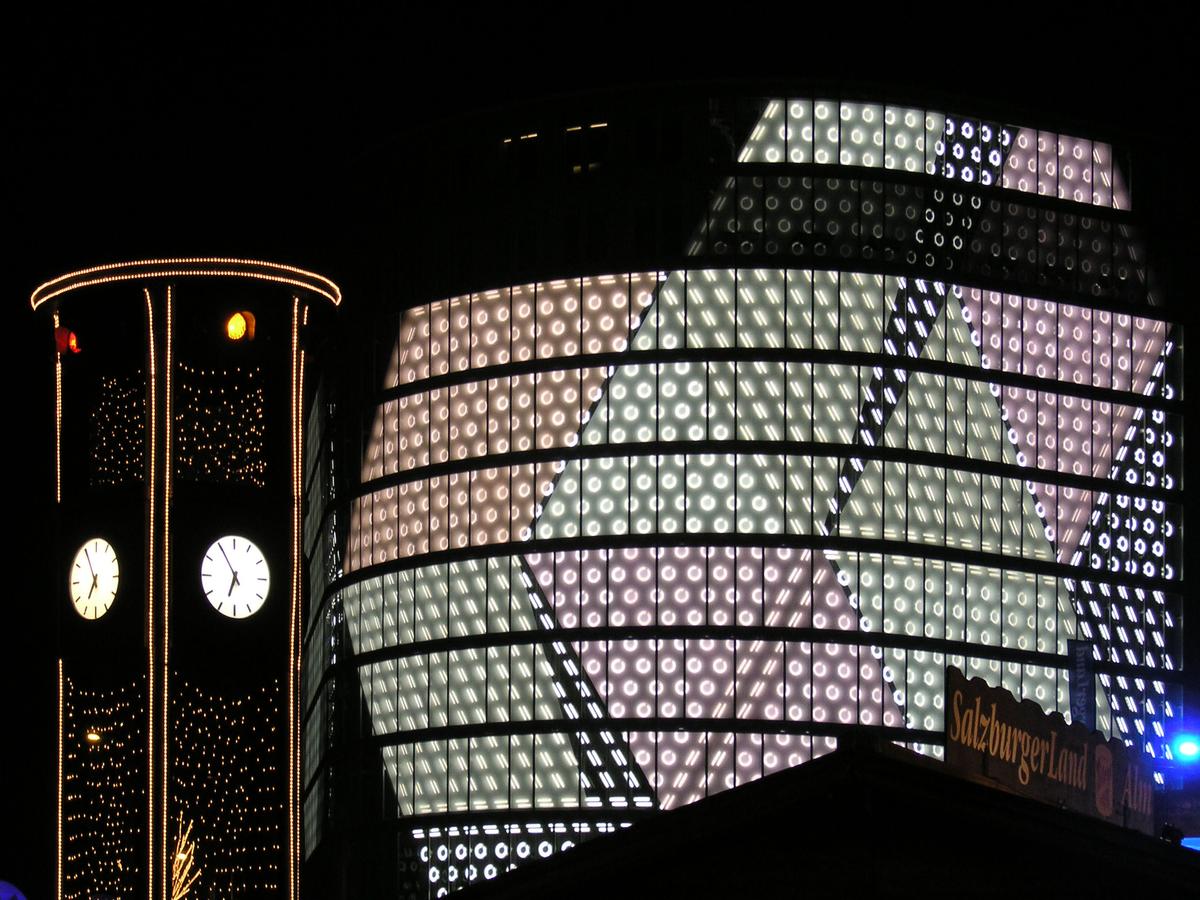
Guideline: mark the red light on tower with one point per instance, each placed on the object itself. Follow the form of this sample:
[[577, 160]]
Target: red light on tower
[[65, 340]]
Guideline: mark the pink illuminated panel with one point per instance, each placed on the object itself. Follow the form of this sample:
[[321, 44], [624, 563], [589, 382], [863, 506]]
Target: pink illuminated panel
[[490, 416], [1070, 168], [710, 678], [1060, 432]]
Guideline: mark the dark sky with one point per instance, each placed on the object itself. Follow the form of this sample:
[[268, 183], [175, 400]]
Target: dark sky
[[230, 132]]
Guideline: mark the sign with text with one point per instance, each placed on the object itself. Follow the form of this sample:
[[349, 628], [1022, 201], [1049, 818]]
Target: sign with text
[[990, 733]]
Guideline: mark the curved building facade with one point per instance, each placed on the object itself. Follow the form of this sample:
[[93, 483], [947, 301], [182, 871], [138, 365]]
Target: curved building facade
[[861, 390]]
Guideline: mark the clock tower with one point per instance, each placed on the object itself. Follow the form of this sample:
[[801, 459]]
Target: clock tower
[[177, 572]]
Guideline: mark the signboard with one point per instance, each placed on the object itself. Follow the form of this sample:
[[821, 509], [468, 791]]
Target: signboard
[[990, 733]]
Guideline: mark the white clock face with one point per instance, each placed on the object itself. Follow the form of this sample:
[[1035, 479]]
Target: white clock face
[[235, 577], [93, 578]]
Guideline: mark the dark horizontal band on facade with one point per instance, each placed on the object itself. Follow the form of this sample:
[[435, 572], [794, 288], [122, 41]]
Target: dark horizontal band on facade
[[797, 355], [765, 633], [934, 182], [877, 546], [862, 256], [625, 724], [947, 462]]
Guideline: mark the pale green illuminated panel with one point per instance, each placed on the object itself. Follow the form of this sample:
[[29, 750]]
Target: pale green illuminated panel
[[871, 135], [760, 494], [979, 605], [461, 687], [800, 131], [909, 138], [710, 309], [722, 406], [671, 503], [811, 488], [860, 313], [641, 503], [489, 772], [825, 131], [799, 308], [761, 296], [603, 512], [760, 401], [413, 680], [663, 327], [467, 702], [861, 134], [932, 505], [834, 405], [721, 401], [768, 139], [825, 313]]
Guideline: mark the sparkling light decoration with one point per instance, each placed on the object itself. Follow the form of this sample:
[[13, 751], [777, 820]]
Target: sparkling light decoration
[[102, 777], [184, 871], [118, 431], [221, 425], [227, 774]]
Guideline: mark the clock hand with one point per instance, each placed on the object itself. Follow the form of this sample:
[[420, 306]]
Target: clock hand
[[95, 579], [88, 557], [227, 562]]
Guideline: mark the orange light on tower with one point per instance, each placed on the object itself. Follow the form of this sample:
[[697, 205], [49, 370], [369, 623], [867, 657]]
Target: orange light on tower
[[240, 326]]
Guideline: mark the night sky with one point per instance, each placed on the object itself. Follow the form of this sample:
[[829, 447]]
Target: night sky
[[131, 136]]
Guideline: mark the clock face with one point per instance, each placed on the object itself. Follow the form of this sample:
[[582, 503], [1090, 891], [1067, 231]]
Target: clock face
[[94, 577], [235, 577]]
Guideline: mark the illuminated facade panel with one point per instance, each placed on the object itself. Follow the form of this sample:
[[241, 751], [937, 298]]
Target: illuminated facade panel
[[876, 135], [620, 542]]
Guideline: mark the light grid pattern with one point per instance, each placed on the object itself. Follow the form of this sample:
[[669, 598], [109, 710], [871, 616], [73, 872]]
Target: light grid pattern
[[704, 520]]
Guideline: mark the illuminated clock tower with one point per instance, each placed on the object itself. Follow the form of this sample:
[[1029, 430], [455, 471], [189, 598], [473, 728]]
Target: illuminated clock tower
[[179, 403]]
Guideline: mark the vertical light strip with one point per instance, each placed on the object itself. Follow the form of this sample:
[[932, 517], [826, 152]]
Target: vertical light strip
[[299, 547], [57, 415], [293, 838], [168, 372], [150, 506], [58, 869]]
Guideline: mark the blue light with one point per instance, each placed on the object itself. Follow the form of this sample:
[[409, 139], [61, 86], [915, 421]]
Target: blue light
[[1192, 843], [1186, 748]]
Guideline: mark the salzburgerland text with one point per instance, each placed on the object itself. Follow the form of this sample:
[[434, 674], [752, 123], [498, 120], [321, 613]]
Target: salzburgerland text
[[1038, 755]]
